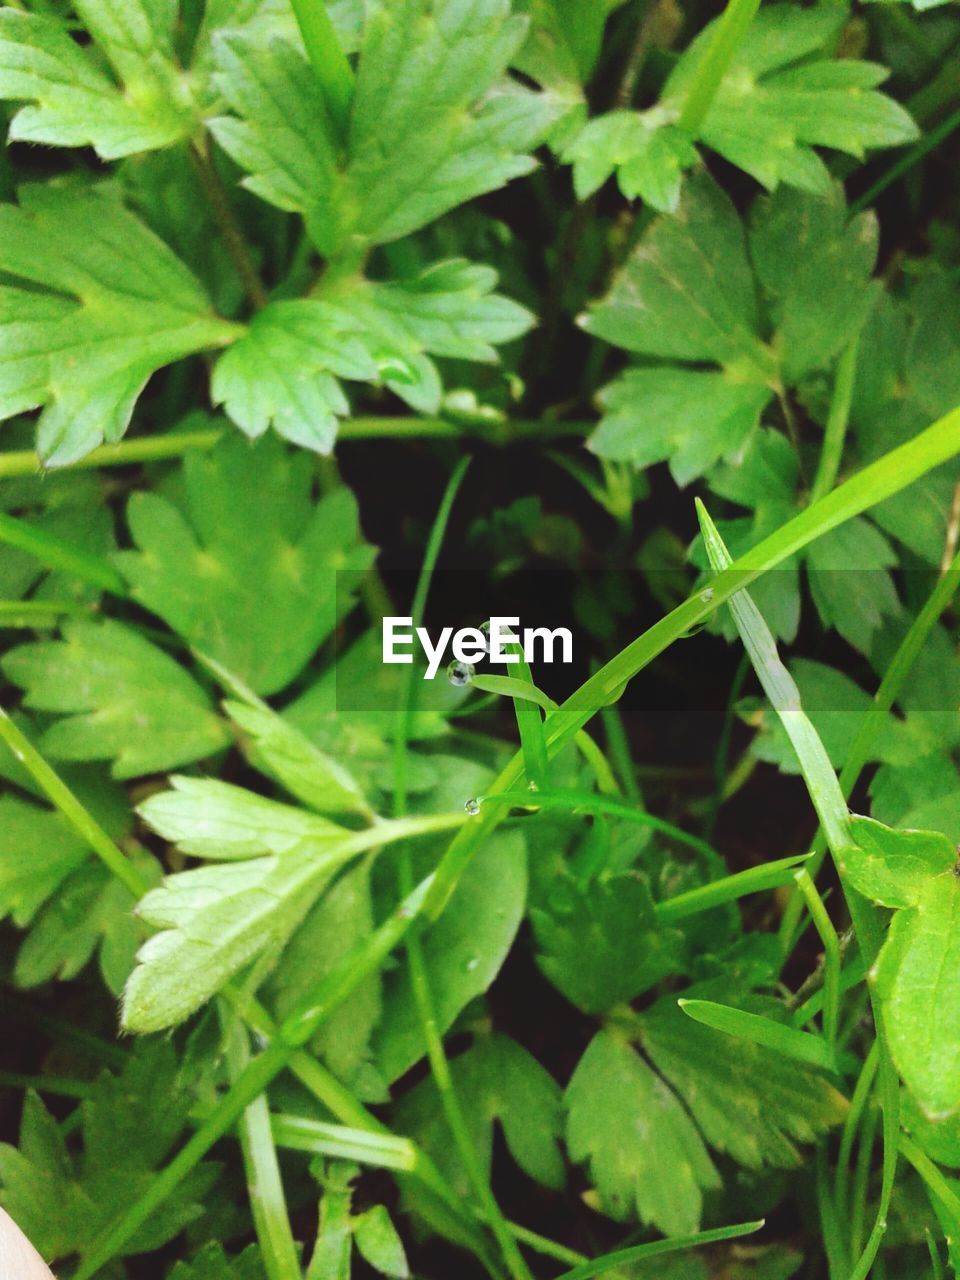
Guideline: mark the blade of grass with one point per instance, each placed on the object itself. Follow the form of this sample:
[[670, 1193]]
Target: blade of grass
[[658, 1248], [58, 553], [831, 955], [37, 614], [831, 455], [936, 1183], [936, 1264], [327, 58], [268, 1204], [419, 978], [929, 142], [833, 1242], [770, 875], [890, 1111], [728, 35], [297, 1133], [588, 802], [802, 1046], [851, 1125]]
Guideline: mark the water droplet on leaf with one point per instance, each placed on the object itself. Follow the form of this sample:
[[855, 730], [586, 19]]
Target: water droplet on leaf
[[460, 673], [472, 807]]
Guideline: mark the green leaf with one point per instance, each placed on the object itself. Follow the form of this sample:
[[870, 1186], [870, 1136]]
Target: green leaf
[[496, 1080], [211, 1263], [214, 920], [209, 819], [247, 517], [462, 952], [341, 919], [850, 583], [648, 156], [139, 707], [915, 976], [282, 752], [750, 1102], [124, 1141], [114, 305], [601, 945], [779, 99], [377, 1240], [644, 1152], [72, 102], [429, 78], [815, 265], [38, 851], [283, 372], [785, 1041]]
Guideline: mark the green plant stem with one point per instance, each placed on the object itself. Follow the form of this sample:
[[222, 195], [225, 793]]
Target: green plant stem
[[936, 1183], [890, 1110], [831, 955], [57, 1085], [861, 1180], [419, 977], [268, 1205], [618, 746], [641, 1252], [57, 553], [728, 35], [25, 462], [831, 455], [34, 614], [833, 1242], [327, 59], [858, 1102], [929, 142], [63, 798], [229, 227]]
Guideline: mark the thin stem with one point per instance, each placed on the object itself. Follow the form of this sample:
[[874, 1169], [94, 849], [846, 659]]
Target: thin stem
[[646, 29], [858, 1102], [268, 1205], [722, 757], [57, 1085], [56, 553], [829, 1222], [419, 977], [907, 161], [618, 746], [229, 227], [641, 1252], [34, 614], [63, 798], [953, 531], [831, 950], [890, 1104], [731, 27], [838, 416], [327, 58]]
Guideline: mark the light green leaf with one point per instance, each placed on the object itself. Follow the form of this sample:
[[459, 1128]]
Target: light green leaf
[[139, 707], [38, 851], [779, 100], [213, 921], [114, 305], [648, 155], [209, 819], [463, 951], [784, 1041], [72, 102], [211, 1263], [750, 1102], [848, 570], [377, 1240], [246, 568], [602, 945], [429, 79], [893, 867], [689, 418], [283, 372], [644, 1152], [815, 265], [281, 751]]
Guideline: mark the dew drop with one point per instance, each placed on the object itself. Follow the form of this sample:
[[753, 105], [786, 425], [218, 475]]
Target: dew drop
[[460, 673], [472, 806], [532, 786], [707, 595], [472, 964]]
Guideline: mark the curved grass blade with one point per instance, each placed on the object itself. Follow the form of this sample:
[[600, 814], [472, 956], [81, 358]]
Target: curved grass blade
[[802, 1046], [657, 1249]]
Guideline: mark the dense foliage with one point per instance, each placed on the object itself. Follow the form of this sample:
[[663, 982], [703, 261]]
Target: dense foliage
[[642, 314]]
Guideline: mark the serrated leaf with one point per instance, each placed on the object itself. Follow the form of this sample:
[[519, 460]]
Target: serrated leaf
[[210, 819], [429, 78], [815, 265], [463, 951], [601, 945], [123, 1144], [114, 305], [645, 1155], [73, 103], [138, 707], [779, 100], [245, 570], [37, 853], [750, 1102], [848, 570], [215, 919], [496, 1080], [647, 154], [211, 1263]]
